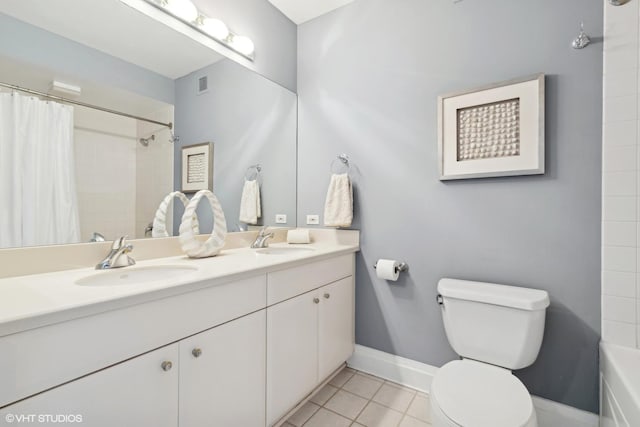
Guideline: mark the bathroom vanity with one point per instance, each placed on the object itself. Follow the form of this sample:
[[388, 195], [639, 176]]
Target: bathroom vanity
[[239, 339]]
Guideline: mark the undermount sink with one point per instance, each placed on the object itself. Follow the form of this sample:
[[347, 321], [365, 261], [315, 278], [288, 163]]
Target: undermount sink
[[132, 276], [284, 250]]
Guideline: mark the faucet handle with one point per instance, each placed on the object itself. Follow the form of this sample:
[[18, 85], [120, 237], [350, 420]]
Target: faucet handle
[[118, 243], [262, 231]]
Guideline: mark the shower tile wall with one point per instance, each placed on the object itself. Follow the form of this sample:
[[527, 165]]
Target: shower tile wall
[[120, 182], [621, 177], [105, 157]]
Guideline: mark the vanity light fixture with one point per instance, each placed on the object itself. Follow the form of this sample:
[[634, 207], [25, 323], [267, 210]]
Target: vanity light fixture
[[215, 28], [183, 9], [242, 44], [187, 13]]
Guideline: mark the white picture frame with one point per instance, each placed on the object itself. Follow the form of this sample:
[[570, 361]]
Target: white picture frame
[[492, 131], [197, 167]]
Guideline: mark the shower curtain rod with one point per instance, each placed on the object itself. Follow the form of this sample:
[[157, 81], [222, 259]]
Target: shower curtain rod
[[82, 104]]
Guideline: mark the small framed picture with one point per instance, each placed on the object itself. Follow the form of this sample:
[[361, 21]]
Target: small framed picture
[[197, 167], [496, 130]]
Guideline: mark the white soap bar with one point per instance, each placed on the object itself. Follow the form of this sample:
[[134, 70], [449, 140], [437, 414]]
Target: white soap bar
[[298, 236]]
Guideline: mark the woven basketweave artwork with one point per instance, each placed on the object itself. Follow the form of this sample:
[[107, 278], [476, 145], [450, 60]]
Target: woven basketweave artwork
[[489, 131]]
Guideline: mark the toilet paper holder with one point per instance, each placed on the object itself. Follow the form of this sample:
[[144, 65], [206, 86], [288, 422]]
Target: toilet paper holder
[[402, 267]]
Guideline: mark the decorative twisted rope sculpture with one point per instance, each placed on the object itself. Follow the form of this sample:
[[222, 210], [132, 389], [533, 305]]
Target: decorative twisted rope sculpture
[[160, 219], [192, 246]]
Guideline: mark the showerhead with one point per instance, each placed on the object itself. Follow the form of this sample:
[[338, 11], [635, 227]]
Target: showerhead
[[145, 141], [618, 2]]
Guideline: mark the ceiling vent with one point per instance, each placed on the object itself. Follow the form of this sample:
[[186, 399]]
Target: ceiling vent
[[203, 85]]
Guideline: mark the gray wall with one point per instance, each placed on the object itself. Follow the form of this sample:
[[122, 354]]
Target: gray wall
[[251, 120], [36, 47], [368, 78], [273, 34]]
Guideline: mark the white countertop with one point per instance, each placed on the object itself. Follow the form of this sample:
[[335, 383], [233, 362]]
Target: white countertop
[[28, 302]]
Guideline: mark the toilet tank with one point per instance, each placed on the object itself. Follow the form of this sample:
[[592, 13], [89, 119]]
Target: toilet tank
[[497, 324]]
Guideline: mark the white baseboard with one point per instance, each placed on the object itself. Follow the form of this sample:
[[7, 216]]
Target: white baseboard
[[419, 375]]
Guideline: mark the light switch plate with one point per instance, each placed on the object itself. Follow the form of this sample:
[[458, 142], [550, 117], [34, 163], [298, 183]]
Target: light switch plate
[[313, 219], [281, 219]]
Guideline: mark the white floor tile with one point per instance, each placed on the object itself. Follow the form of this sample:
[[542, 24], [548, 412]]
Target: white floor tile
[[369, 400], [420, 408], [408, 421], [346, 404], [375, 415], [324, 418], [363, 386], [303, 414], [325, 393], [341, 378], [394, 396]]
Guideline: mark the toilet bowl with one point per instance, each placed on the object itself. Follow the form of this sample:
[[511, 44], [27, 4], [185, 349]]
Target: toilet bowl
[[495, 329], [466, 393]]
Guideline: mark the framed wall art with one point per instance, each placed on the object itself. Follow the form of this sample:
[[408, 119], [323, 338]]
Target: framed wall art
[[496, 130], [197, 167]]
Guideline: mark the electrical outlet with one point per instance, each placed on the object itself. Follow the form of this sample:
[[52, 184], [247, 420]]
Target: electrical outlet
[[281, 219], [313, 219]]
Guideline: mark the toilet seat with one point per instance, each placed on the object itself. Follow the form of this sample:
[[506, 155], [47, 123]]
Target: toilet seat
[[475, 394]]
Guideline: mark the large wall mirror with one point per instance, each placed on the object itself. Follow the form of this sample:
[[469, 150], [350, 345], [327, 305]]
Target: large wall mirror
[[68, 171]]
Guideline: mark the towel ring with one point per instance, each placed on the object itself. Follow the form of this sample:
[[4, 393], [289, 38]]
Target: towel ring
[[342, 161], [253, 172]]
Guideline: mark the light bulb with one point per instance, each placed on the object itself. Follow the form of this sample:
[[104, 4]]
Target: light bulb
[[215, 28], [183, 9], [242, 44]]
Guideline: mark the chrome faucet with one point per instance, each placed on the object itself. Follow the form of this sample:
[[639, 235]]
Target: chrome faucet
[[118, 256], [261, 240]]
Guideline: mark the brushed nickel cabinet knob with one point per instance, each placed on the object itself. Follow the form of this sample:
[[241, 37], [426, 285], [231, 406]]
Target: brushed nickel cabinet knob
[[166, 365], [316, 300], [327, 295], [196, 352]]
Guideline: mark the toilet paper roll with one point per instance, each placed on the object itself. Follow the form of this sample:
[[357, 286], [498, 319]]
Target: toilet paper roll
[[387, 269], [298, 236]]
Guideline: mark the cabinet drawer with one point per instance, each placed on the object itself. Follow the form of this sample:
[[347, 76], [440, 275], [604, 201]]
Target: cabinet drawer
[[41, 358], [285, 284]]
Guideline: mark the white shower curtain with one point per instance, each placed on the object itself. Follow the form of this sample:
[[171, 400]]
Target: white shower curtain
[[38, 200]]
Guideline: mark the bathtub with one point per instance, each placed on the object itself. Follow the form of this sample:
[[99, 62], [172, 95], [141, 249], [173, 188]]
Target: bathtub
[[619, 386]]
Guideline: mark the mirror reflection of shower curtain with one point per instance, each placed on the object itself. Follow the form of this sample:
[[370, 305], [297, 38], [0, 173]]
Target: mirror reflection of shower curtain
[[38, 198]]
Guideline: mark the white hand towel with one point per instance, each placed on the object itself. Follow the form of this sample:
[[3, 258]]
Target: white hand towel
[[338, 208], [250, 209]]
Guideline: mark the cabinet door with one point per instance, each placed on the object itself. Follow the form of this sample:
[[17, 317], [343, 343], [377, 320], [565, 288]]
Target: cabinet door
[[222, 375], [336, 325], [140, 392], [292, 353]]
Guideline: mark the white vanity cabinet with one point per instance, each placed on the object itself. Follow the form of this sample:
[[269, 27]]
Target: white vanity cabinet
[[216, 377], [292, 353], [140, 392], [336, 325], [222, 375], [229, 353], [310, 334]]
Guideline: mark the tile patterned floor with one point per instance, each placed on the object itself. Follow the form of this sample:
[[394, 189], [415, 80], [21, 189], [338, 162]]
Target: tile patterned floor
[[353, 398]]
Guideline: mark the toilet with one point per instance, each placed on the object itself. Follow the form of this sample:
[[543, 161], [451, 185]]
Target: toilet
[[495, 329]]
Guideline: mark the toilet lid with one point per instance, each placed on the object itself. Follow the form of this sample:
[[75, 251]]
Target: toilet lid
[[474, 394]]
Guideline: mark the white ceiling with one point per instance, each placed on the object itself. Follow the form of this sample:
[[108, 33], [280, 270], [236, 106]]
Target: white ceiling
[[114, 28], [300, 11]]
